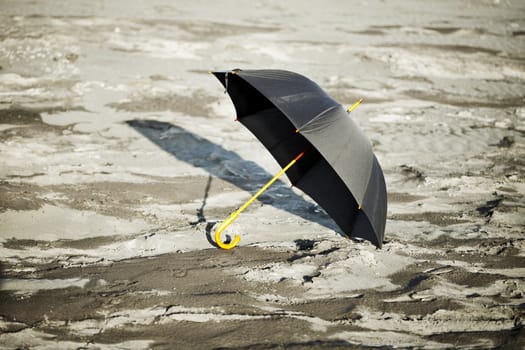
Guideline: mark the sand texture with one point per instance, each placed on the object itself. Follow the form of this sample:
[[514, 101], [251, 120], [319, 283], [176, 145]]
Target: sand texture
[[119, 154]]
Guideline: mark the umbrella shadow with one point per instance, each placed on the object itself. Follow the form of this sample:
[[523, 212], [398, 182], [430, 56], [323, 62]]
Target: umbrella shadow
[[230, 167]]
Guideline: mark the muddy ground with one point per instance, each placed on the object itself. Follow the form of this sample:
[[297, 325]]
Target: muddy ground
[[119, 154]]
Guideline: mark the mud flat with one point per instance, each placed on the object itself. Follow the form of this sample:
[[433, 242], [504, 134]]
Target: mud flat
[[119, 154]]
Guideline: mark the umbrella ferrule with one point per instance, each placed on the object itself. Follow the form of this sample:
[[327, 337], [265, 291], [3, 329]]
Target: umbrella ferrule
[[354, 106]]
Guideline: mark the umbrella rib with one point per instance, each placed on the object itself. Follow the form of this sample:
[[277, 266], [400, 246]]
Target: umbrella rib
[[317, 117]]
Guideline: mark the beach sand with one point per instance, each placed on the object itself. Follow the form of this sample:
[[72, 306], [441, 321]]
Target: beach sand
[[119, 154]]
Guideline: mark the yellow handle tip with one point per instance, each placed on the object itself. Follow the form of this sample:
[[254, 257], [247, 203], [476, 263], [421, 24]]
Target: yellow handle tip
[[226, 246], [221, 228]]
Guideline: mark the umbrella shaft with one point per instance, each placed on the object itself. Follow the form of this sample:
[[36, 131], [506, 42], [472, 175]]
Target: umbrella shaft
[[265, 187]]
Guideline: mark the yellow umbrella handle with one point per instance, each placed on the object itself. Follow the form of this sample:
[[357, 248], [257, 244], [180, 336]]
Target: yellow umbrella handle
[[235, 214]]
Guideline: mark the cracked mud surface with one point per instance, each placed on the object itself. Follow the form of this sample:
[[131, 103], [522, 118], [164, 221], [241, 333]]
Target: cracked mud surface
[[119, 154]]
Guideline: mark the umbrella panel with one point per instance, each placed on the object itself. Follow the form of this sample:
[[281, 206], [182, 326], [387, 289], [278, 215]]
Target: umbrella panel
[[278, 135], [246, 99]]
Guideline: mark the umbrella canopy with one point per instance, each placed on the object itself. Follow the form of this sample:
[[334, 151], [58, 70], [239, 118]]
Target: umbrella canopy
[[290, 114]]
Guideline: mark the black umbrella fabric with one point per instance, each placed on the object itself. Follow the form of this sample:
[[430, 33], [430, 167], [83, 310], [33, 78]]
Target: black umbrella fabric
[[291, 114]]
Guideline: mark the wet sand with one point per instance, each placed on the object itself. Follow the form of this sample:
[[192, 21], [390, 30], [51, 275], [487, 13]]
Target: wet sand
[[119, 154]]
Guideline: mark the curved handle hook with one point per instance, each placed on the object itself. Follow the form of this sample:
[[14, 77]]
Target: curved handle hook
[[221, 228]]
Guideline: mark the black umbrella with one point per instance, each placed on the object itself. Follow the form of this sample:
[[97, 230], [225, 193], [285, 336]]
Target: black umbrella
[[332, 159]]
